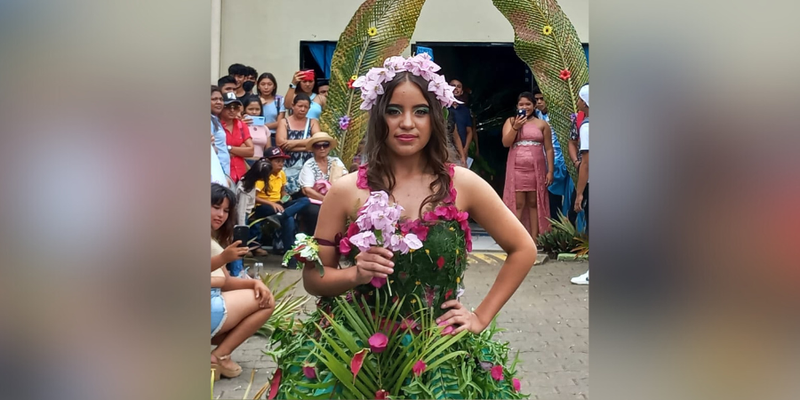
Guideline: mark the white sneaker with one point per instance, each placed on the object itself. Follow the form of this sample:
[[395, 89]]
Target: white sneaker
[[581, 279]]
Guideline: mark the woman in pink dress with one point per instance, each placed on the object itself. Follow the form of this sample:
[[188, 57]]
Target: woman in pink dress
[[529, 170]]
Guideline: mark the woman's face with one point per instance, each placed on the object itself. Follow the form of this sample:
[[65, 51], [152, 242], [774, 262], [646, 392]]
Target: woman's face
[[307, 86], [321, 149], [525, 104], [301, 108], [253, 108], [266, 87], [408, 120], [231, 111], [216, 103], [277, 164], [219, 214]]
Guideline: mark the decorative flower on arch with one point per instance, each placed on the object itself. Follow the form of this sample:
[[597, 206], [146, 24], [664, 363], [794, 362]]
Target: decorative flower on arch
[[565, 74], [372, 31], [547, 30]]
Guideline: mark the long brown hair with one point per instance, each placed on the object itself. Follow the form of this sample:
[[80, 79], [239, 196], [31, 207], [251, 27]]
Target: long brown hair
[[437, 152], [224, 235]]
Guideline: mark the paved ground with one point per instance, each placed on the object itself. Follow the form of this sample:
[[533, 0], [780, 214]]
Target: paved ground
[[547, 319]]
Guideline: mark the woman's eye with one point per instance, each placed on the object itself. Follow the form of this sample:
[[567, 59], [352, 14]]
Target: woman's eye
[[393, 111], [421, 111]]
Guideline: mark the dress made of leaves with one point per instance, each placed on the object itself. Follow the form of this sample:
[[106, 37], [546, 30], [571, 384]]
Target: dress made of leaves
[[383, 342]]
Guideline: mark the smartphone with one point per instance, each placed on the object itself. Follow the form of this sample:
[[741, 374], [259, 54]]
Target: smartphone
[[522, 113], [308, 75], [258, 121], [241, 232]]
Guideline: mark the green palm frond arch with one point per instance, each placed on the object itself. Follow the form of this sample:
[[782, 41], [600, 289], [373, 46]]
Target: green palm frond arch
[[544, 39]]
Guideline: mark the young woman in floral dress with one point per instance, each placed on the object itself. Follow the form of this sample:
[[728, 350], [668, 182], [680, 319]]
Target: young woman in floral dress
[[408, 336]]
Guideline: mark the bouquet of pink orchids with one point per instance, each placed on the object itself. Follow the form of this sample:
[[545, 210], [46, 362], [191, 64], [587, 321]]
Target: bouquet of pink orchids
[[377, 223]]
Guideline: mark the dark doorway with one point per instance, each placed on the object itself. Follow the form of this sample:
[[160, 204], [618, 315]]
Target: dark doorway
[[493, 76]]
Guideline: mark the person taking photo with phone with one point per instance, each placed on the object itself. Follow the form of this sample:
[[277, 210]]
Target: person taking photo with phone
[[303, 82], [239, 307], [529, 170]]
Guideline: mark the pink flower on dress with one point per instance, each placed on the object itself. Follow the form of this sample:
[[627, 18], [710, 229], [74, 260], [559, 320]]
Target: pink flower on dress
[[378, 342], [352, 229], [381, 395], [419, 367], [378, 282], [448, 330], [408, 324], [440, 262], [309, 371], [362, 182], [497, 372], [344, 246], [516, 383]]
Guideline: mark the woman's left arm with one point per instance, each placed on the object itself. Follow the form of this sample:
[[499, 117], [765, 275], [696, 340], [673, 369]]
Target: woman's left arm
[[323, 100], [478, 198], [314, 128]]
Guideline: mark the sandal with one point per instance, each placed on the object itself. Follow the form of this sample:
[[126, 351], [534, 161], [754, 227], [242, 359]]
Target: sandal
[[219, 370]]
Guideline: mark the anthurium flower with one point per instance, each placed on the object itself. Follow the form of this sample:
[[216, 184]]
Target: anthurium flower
[[516, 384], [274, 384], [378, 342], [381, 394], [497, 372], [378, 282], [310, 371], [419, 368], [357, 361]]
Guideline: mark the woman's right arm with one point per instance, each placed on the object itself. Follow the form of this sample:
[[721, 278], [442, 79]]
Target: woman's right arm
[[509, 133], [332, 217], [289, 98]]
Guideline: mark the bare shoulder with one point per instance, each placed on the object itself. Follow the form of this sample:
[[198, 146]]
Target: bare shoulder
[[345, 195], [467, 182]]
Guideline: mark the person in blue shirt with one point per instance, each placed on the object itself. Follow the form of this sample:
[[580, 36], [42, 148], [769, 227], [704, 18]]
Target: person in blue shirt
[[562, 185], [463, 121], [220, 141]]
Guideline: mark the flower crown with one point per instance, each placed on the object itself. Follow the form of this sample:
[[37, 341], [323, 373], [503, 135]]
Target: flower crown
[[420, 65]]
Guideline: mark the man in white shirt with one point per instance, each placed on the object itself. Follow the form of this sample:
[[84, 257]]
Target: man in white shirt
[[582, 189]]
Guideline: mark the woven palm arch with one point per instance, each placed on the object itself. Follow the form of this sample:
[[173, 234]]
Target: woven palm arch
[[544, 39]]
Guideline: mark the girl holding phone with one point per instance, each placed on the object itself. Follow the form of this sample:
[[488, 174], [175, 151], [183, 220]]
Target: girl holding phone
[[530, 166], [259, 133], [239, 307]]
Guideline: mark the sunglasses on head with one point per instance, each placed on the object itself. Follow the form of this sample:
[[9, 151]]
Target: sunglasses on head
[[322, 145]]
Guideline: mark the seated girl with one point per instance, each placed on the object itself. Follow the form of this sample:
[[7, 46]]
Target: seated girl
[[239, 307]]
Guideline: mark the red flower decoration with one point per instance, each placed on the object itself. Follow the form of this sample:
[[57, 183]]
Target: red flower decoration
[[565, 74], [516, 384], [275, 384], [419, 367], [448, 330], [448, 294], [362, 182], [440, 262], [344, 246], [497, 372], [352, 229], [309, 371], [378, 342], [350, 83], [357, 361], [381, 394]]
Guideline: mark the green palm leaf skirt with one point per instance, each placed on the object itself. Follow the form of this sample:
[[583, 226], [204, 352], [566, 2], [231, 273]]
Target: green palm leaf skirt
[[362, 346]]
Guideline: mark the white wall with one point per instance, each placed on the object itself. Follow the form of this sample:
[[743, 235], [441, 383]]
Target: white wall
[[266, 34]]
